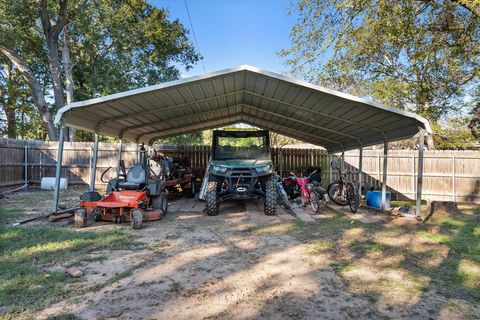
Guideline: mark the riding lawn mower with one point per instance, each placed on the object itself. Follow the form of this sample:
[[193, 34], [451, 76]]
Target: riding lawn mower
[[134, 196]]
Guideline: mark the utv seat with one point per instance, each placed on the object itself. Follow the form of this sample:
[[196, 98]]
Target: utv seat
[[136, 178]]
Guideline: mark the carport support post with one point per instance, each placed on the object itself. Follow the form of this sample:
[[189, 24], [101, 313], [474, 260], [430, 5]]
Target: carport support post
[[58, 169], [421, 141], [94, 164], [384, 178], [360, 173], [120, 147]]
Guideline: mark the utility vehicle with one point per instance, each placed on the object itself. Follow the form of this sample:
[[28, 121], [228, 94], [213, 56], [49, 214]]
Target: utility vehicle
[[240, 168]]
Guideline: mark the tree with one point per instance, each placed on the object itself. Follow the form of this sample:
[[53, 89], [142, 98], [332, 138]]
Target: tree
[[278, 140], [183, 139], [106, 47], [414, 55]]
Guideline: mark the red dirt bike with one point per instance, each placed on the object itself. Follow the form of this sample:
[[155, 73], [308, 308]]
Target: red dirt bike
[[310, 192]]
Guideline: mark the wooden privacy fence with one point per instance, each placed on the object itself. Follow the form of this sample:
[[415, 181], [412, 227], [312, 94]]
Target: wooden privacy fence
[[448, 175]]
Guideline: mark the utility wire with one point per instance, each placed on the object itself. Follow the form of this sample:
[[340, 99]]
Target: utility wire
[[194, 36]]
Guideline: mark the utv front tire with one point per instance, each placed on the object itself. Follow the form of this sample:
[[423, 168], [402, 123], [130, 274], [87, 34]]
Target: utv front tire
[[270, 207], [211, 199]]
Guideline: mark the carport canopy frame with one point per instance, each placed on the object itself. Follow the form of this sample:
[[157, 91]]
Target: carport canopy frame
[[328, 118]]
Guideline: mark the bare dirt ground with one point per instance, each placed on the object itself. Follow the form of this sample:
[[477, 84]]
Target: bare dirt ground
[[244, 265]]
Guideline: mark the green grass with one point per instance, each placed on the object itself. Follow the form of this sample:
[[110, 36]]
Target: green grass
[[362, 247], [27, 256], [10, 215], [461, 269]]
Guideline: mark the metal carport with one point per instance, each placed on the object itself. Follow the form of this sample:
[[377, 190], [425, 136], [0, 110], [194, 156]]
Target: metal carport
[[245, 94]]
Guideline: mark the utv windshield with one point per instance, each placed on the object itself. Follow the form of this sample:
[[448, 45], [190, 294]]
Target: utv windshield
[[242, 145]]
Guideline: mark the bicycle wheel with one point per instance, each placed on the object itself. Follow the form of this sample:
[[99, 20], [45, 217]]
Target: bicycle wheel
[[352, 197], [335, 194], [315, 201]]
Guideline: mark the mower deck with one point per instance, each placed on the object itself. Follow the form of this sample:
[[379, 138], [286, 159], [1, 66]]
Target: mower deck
[[117, 206]]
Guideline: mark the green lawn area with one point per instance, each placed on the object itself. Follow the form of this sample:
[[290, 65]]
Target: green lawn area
[[28, 255]]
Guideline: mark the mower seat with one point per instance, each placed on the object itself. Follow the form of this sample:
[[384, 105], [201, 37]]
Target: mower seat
[[136, 178]]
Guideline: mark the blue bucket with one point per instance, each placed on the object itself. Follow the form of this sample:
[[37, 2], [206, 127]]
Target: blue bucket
[[374, 199]]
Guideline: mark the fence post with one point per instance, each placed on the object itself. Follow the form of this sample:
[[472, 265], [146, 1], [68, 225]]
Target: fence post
[[280, 160], [453, 179], [413, 176], [378, 167]]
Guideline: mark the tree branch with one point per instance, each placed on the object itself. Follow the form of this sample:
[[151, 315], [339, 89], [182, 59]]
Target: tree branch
[[472, 8]]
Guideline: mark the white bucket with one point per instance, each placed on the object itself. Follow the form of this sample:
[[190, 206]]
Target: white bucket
[[48, 183]]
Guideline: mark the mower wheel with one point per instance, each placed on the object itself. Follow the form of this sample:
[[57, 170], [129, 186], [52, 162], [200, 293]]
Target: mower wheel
[[137, 219], [163, 203], [270, 207], [190, 192], [96, 215], [160, 203], [80, 218], [211, 198]]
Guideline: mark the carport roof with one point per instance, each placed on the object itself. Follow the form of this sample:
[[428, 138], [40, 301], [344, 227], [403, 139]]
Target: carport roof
[[245, 94]]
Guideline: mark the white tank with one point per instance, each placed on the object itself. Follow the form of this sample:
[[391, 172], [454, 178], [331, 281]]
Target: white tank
[[48, 183]]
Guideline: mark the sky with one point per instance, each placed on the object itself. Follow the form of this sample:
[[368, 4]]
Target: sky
[[234, 32]]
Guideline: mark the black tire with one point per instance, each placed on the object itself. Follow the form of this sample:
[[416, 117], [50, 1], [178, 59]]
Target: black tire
[[163, 203], [332, 191], [190, 192], [96, 215], [137, 219], [270, 207], [211, 199], [284, 202], [352, 197], [80, 218]]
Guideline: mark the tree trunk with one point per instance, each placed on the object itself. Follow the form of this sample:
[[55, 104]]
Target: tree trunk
[[35, 89], [430, 142], [69, 87], [11, 122], [54, 66]]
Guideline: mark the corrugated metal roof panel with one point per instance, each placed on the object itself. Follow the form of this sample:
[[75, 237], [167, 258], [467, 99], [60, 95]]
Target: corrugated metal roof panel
[[317, 115]]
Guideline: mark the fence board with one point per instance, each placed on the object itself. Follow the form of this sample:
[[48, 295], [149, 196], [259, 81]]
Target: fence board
[[448, 175]]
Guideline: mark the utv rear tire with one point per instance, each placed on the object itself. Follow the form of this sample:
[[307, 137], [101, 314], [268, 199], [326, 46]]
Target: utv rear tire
[[80, 218], [270, 207], [190, 192], [211, 199], [137, 219], [160, 203]]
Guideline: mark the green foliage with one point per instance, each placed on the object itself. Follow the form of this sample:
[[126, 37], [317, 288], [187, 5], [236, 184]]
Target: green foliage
[[416, 55], [454, 134], [114, 46], [122, 45], [184, 139]]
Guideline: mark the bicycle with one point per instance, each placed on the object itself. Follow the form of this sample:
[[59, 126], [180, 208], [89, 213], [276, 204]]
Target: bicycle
[[342, 191]]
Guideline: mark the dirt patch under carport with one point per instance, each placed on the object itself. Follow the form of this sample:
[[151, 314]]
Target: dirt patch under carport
[[244, 265], [199, 267]]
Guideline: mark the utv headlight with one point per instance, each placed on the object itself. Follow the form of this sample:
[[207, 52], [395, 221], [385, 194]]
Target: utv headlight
[[262, 169], [219, 169]]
